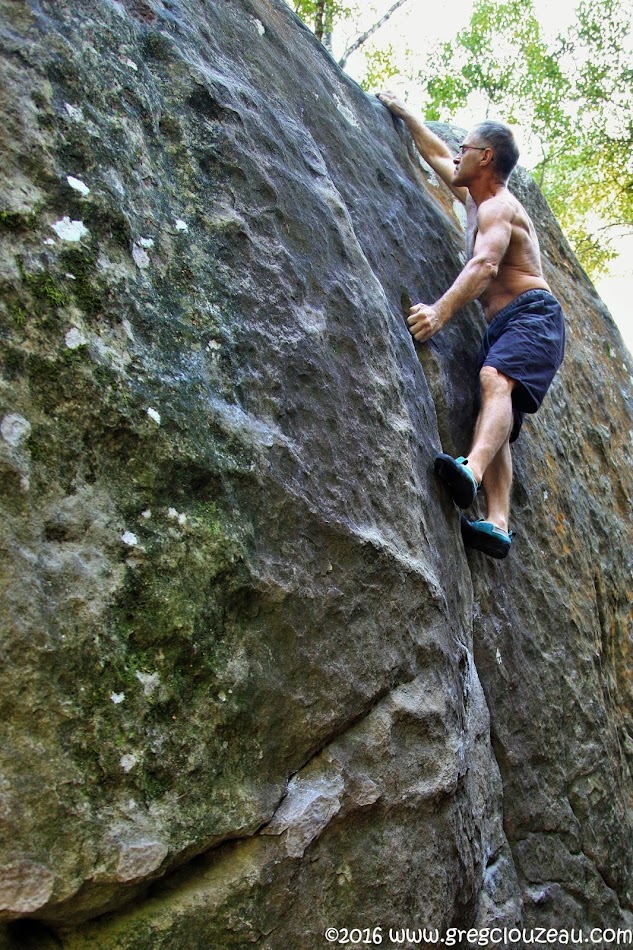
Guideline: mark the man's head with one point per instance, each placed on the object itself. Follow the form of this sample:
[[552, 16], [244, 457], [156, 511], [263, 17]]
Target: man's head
[[489, 145]]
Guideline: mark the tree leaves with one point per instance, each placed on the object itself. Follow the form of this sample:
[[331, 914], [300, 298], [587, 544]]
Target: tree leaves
[[574, 97]]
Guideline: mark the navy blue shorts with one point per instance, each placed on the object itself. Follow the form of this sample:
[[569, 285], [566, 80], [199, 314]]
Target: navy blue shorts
[[526, 341]]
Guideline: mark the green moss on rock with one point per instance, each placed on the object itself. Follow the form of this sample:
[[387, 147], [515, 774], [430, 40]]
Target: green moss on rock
[[17, 221]]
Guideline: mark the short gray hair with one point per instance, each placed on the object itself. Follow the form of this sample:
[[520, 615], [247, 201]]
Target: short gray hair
[[500, 139]]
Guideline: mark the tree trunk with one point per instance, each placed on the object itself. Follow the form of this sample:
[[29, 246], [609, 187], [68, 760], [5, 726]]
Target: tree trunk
[[329, 25], [319, 20]]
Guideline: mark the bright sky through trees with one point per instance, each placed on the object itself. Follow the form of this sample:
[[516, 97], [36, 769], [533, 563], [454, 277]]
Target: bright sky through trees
[[417, 27]]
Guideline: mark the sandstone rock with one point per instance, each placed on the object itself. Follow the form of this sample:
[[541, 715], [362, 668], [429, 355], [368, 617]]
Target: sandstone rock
[[244, 650], [25, 886]]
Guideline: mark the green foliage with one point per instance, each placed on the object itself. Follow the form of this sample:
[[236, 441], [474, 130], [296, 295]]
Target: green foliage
[[573, 97], [325, 17], [322, 15], [380, 67]]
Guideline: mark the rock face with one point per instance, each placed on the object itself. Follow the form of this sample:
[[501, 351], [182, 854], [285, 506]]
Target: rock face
[[253, 686]]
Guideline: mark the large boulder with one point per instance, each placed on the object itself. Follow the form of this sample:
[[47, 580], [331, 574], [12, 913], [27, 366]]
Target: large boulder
[[253, 686]]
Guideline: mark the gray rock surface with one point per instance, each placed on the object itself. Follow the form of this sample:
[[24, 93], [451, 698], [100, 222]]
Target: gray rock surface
[[253, 686]]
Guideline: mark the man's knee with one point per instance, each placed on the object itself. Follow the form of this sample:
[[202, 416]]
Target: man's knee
[[493, 380]]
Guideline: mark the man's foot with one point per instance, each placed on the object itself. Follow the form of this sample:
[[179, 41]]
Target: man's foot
[[457, 477], [485, 536]]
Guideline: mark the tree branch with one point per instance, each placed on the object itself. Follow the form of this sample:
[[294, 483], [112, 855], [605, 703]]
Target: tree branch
[[358, 42]]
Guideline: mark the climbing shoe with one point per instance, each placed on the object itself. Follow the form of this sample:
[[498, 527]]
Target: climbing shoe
[[485, 536], [457, 477]]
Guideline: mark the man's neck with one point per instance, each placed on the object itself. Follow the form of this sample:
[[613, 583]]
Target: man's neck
[[483, 189]]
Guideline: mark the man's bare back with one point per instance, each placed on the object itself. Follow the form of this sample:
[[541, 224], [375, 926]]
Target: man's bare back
[[520, 267]]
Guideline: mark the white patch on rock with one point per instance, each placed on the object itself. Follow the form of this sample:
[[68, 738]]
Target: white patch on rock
[[538, 896], [75, 338], [149, 682], [130, 539], [259, 26], [311, 320], [25, 886], [15, 429], [128, 761], [346, 112], [69, 230], [70, 276], [180, 517], [214, 345], [146, 514], [146, 242], [50, 242], [131, 64], [117, 698], [127, 326], [498, 657], [154, 415], [460, 212], [74, 112], [78, 185], [141, 257], [181, 225], [431, 177]]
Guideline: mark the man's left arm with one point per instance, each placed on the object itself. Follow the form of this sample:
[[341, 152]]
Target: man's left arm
[[494, 230]]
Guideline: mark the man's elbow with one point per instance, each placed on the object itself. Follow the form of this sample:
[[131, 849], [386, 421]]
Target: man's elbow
[[488, 267]]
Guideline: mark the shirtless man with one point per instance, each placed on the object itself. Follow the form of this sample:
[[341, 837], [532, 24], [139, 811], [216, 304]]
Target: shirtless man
[[525, 340]]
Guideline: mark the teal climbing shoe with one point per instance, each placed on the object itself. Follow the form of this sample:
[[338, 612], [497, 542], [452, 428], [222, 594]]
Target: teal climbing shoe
[[485, 536], [457, 477]]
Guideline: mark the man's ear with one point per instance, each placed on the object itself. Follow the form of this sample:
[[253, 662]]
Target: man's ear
[[487, 157]]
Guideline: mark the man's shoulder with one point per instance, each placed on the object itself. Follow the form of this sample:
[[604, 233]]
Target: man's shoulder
[[500, 207]]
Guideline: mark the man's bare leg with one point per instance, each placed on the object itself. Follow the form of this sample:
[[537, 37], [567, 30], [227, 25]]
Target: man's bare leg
[[497, 482], [489, 461], [494, 422]]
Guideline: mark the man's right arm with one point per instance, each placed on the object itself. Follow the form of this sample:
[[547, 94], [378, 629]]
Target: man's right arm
[[432, 149]]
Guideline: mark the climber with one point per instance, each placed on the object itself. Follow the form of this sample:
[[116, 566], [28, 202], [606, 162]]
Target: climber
[[524, 343]]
